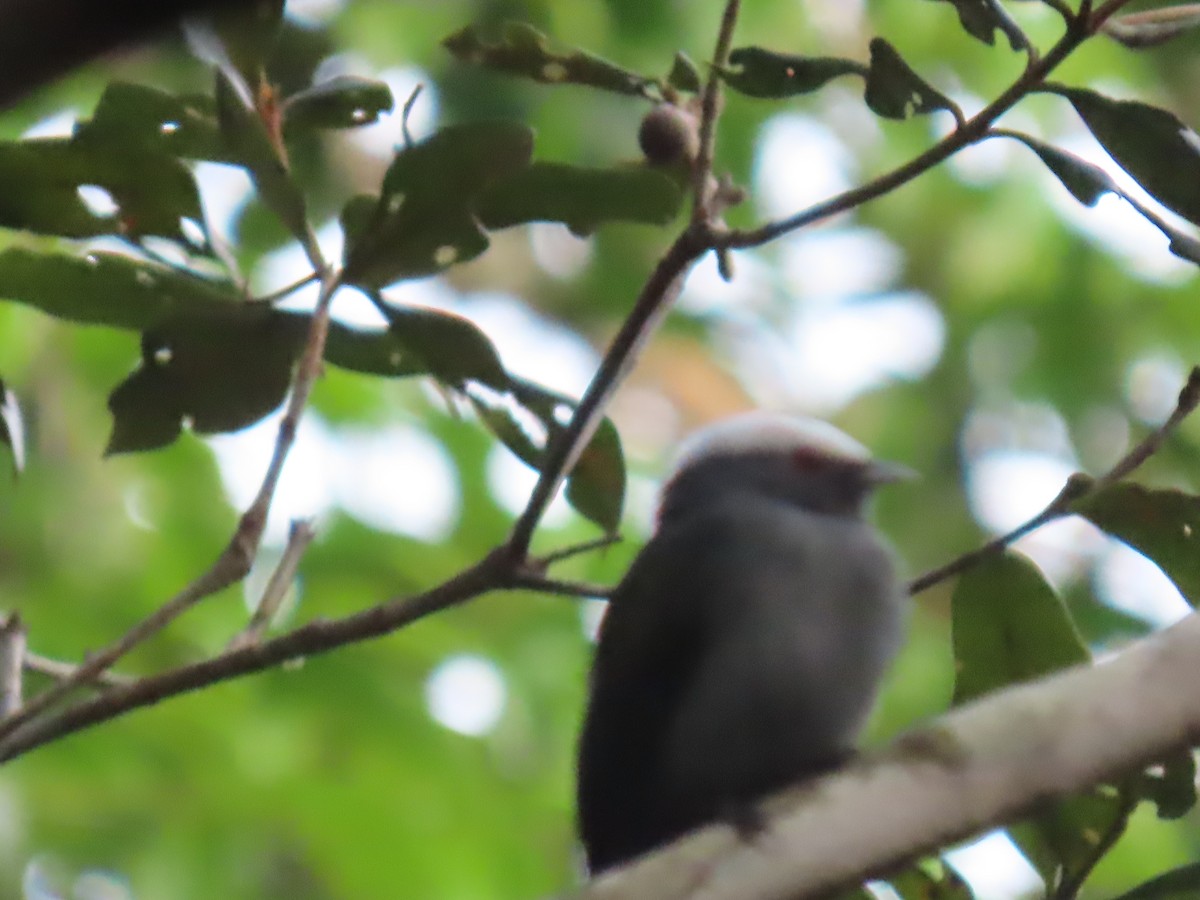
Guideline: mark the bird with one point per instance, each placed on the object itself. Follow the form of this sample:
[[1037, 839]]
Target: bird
[[744, 648]]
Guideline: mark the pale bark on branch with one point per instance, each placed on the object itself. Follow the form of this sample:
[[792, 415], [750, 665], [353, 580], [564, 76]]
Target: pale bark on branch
[[977, 767]]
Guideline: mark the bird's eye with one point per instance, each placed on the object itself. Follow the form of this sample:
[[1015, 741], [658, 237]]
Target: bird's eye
[[806, 459]]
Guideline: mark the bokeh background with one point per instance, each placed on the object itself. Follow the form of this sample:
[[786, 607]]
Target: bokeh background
[[977, 325]]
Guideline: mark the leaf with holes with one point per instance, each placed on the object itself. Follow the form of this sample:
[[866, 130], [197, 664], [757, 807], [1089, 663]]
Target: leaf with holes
[[346, 101], [220, 372], [525, 51], [424, 219], [110, 289], [757, 72], [1171, 785], [894, 90], [1149, 143], [146, 118], [580, 198], [983, 18], [12, 427], [76, 188], [1162, 524], [1064, 841]]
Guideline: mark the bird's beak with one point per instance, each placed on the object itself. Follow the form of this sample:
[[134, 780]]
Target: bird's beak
[[882, 472]]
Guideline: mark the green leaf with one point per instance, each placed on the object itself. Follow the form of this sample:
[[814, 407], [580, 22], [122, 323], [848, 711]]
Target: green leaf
[[143, 117], [346, 101], [502, 420], [1063, 843], [220, 372], [1164, 525], [685, 74], [1152, 27], [1177, 884], [525, 51], [109, 289], [1086, 182], [983, 18], [1149, 143], [248, 141], [1008, 626], [931, 879], [12, 427], [894, 90], [40, 181], [459, 161], [248, 32], [1173, 788], [596, 486], [579, 197], [424, 220], [757, 72], [450, 347]]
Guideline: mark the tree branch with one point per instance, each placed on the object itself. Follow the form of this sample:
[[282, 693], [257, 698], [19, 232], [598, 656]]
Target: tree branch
[[1077, 487], [316, 637], [970, 770], [656, 297], [968, 132]]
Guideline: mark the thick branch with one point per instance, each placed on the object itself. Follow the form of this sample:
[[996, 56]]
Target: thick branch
[[975, 768]]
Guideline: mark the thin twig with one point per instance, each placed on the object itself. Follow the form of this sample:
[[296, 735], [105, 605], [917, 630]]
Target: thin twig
[[656, 296], [313, 638], [228, 568], [300, 536], [974, 129], [535, 581], [1103, 13], [542, 563], [12, 663], [1077, 487], [407, 112], [58, 670], [309, 368], [710, 104], [276, 296], [234, 562]]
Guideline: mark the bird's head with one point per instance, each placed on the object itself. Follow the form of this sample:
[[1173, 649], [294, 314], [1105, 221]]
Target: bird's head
[[790, 459]]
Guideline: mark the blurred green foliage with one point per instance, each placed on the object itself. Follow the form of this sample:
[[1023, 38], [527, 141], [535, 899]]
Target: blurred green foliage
[[332, 779]]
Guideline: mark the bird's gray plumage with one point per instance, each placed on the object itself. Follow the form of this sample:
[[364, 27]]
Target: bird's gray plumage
[[743, 649]]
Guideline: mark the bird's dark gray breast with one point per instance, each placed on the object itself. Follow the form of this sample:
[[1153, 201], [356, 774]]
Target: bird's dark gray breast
[[741, 652]]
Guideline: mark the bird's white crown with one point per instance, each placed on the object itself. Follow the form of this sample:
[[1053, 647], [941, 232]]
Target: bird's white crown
[[765, 432]]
